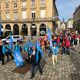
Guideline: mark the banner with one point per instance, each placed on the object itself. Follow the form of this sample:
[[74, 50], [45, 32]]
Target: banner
[[18, 58], [49, 37]]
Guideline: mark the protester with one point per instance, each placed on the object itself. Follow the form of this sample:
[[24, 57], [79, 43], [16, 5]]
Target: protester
[[42, 42], [1, 52], [35, 61], [55, 51], [17, 46], [63, 43], [25, 55], [68, 46], [8, 52], [47, 47]]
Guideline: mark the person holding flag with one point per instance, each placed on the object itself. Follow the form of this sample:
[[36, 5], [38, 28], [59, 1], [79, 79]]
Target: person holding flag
[[35, 57], [17, 54], [28, 50], [8, 51], [2, 51]]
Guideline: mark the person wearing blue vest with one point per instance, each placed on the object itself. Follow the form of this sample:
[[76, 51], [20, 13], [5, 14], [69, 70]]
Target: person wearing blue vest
[[55, 50], [2, 52], [17, 46], [28, 50], [35, 61], [8, 52]]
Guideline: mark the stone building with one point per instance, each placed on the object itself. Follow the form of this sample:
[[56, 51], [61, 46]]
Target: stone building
[[70, 23], [63, 25], [29, 17], [76, 19]]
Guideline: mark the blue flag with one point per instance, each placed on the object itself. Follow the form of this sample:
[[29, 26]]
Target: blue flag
[[11, 41], [25, 48], [37, 44], [49, 37], [29, 43], [18, 58]]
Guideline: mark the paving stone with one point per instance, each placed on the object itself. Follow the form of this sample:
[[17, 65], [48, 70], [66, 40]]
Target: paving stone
[[68, 68]]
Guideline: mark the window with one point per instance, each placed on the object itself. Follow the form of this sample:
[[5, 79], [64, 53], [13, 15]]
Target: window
[[7, 5], [33, 14], [24, 14], [24, 4], [0, 15], [42, 15], [15, 5], [7, 15], [0, 6], [15, 15], [42, 2], [33, 2]]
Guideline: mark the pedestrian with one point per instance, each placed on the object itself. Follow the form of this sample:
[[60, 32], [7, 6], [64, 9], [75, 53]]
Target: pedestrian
[[17, 46], [35, 61], [42, 42], [1, 52], [58, 40], [63, 43], [55, 51], [47, 47], [68, 46], [8, 52]]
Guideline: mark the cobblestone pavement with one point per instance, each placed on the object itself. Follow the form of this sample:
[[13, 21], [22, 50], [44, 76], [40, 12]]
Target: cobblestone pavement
[[68, 68]]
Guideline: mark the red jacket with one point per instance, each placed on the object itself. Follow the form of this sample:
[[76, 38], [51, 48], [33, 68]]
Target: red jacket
[[63, 44], [67, 43], [58, 40]]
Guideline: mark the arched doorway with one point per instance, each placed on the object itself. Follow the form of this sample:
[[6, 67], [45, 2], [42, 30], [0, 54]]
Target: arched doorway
[[7, 29], [42, 29], [33, 30], [1, 30], [25, 29], [16, 29]]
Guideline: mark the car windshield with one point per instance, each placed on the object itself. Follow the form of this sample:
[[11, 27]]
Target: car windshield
[[8, 37], [16, 37]]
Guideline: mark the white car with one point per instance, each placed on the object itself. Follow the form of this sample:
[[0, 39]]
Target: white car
[[14, 37], [42, 32]]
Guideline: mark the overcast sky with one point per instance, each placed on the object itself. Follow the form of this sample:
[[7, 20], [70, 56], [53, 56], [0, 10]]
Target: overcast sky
[[66, 8]]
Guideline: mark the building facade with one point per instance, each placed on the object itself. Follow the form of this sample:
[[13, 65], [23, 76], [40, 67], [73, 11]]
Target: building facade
[[76, 19], [70, 23], [28, 17], [63, 25]]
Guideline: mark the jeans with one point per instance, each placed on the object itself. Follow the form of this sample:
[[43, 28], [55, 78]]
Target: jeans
[[63, 50], [68, 51], [34, 65]]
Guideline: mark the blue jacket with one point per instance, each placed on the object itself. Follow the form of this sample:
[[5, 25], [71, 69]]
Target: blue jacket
[[55, 50], [25, 48], [17, 47], [4, 49]]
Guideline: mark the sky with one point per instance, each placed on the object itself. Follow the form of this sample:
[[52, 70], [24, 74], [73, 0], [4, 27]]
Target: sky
[[66, 8]]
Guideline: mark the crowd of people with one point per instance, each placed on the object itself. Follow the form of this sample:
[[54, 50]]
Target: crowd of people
[[35, 53]]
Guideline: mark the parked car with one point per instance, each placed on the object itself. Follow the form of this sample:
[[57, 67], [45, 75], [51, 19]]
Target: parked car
[[14, 37], [42, 32]]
